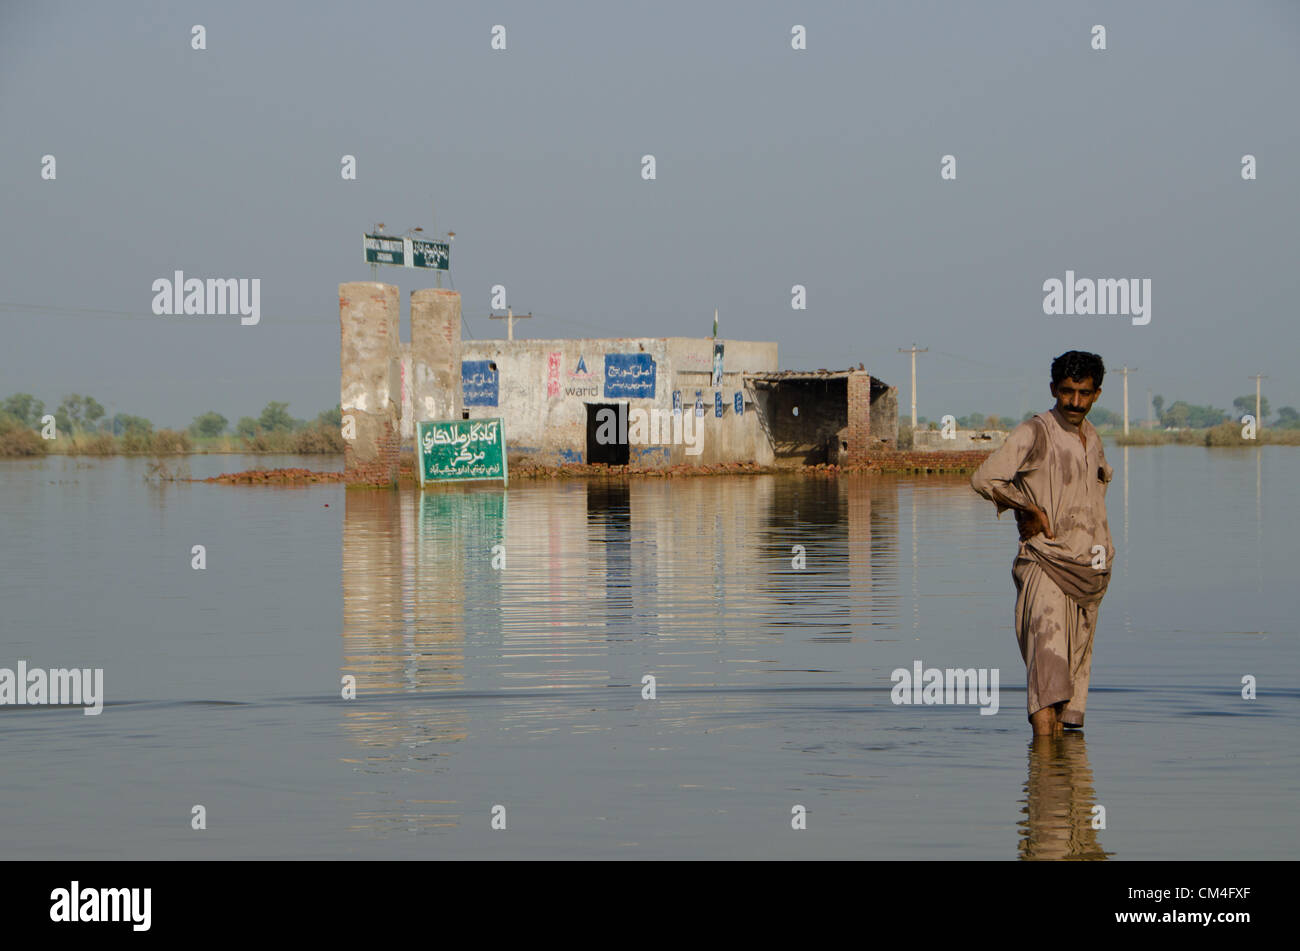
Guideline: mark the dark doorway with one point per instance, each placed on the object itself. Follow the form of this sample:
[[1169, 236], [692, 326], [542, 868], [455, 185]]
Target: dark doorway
[[609, 451]]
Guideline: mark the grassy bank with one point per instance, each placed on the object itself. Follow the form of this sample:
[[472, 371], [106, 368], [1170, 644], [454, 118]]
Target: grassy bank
[[1223, 435], [18, 440]]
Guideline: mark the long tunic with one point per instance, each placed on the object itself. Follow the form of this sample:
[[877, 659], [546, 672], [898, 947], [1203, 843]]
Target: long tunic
[[1059, 581]]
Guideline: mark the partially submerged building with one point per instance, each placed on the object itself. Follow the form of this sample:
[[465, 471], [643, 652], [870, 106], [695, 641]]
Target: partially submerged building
[[648, 401], [958, 440]]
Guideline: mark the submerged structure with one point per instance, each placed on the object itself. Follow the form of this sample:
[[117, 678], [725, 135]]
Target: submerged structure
[[645, 401]]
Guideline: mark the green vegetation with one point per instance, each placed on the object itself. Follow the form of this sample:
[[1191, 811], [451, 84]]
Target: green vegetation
[[1224, 434], [25, 408], [17, 438], [209, 425], [1181, 423], [969, 421], [981, 421], [1246, 405], [77, 413], [1287, 418], [83, 429]]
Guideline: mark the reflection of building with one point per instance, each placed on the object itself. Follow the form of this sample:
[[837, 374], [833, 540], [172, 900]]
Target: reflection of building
[[408, 575], [551, 394], [1058, 802], [449, 652]]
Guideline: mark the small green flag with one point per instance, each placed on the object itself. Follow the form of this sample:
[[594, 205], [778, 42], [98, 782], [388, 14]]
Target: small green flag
[[715, 323]]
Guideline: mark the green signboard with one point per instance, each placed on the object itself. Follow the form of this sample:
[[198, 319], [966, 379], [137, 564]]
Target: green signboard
[[461, 450], [382, 249], [434, 254], [406, 252]]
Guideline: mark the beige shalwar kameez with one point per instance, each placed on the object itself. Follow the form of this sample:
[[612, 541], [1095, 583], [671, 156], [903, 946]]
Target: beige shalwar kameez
[[1059, 581]]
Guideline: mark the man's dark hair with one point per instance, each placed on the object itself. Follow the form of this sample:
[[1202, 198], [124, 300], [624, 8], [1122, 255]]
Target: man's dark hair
[[1078, 365]]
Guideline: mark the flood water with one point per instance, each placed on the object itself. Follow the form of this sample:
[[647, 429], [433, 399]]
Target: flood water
[[519, 684]]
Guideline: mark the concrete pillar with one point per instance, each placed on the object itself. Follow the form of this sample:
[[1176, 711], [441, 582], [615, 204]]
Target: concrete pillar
[[370, 380], [859, 413], [435, 354]]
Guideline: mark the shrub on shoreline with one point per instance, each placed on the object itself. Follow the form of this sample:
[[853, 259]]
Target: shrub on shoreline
[[318, 439], [100, 444], [17, 440]]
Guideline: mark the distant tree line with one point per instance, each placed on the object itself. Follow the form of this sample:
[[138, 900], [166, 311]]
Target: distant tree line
[[81, 416], [1178, 415], [1183, 415]]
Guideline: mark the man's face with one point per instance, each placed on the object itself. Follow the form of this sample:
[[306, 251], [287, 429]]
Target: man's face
[[1074, 398]]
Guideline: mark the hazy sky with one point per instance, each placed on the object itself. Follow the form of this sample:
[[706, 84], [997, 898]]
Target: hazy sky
[[775, 167]]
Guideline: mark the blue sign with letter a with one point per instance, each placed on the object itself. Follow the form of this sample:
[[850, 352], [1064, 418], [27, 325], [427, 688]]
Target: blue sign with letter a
[[740, 404]]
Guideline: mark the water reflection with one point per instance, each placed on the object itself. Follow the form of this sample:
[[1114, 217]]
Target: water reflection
[[609, 521], [576, 564], [480, 684], [1058, 802], [405, 575], [474, 623]]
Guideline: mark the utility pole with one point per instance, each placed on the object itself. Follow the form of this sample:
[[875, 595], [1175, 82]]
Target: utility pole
[[1126, 370], [510, 317], [1258, 422], [913, 351]]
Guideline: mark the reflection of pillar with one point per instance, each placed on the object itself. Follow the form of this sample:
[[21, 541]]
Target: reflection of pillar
[[372, 590], [435, 354], [855, 495], [1259, 520], [395, 736], [1126, 560], [370, 380]]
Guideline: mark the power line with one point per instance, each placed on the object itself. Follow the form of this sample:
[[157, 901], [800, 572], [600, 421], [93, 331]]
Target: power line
[[91, 313]]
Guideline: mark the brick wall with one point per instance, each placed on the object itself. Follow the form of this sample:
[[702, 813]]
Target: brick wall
[[859, 418], [377, 467]]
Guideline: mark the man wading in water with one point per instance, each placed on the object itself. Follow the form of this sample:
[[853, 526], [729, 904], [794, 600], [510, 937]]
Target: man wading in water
[[1053, 472]]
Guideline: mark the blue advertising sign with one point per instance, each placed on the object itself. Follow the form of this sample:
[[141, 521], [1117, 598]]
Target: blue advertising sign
[[740, 404], [717, 404], [699, 403], [630, 375], [479, 382], [677, 402]]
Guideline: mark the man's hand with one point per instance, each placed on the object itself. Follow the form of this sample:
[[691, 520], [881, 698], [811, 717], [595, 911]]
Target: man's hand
[[1031, 523]]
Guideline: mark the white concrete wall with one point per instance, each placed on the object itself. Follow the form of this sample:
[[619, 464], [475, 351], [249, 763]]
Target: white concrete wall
[[543, 395], [965, 439]]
